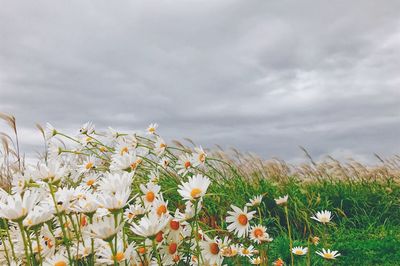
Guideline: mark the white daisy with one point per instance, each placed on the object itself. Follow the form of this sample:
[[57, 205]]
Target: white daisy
[[322, 217], [195, 188], [328, 254], [282, 200], [300, 251], [239, 220]]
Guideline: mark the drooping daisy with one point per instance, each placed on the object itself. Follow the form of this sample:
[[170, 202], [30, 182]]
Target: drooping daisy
[[282, 200], [239, 220], [255, 201], [259, 234], [195, 188], [328, 254], [164, 162], [300, 251], [50, 131], [159, 146], [322, 217], [199, 156]]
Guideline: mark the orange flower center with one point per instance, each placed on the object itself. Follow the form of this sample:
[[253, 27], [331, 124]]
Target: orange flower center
[[174, 225], [141, 250], [161, 210], [159, 236], [124, 150], [150, 196], [133, 165], [202, 157], [90, 182], [214, 249], [89, 165], [83, 221], [258, 232], [60, 263], [163, 145], [195, 193], [172, 248], [119, 256], [242, 219], [176, 258], [187, 164]]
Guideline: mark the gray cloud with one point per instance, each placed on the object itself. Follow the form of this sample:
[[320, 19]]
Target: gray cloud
[[262, 76]]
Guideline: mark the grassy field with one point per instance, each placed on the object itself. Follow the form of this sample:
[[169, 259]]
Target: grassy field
[[366, 224], [137, 189]]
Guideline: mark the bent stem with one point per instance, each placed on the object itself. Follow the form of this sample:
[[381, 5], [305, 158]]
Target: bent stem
[[290, 236]]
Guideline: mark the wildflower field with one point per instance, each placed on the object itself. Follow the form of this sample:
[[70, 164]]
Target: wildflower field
[[116, 198]]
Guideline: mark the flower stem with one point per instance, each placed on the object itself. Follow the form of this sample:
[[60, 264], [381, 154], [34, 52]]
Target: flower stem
[[21, 228], [290, 235]]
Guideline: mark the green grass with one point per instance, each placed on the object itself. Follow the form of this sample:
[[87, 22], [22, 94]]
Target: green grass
[[366, 224]]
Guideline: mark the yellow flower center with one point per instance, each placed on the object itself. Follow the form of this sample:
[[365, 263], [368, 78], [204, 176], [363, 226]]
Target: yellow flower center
[[242, 219], [195, 193], [124, 150], [60, 263], [298, 252], [90, 182], [89, 165], [202, 157], [328, 256]]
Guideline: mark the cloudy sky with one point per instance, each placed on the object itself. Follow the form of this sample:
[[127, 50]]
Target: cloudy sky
[[262, 76]]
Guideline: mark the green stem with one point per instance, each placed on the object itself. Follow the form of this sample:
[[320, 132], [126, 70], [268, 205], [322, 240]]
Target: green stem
[[59, 216], [21, 228], [290, 235], [39, 246]]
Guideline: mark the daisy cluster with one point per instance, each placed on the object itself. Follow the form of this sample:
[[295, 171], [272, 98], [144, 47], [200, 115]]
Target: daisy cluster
[[95, 199]]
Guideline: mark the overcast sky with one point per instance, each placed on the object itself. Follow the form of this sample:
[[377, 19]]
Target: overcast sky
[[261, 76]]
